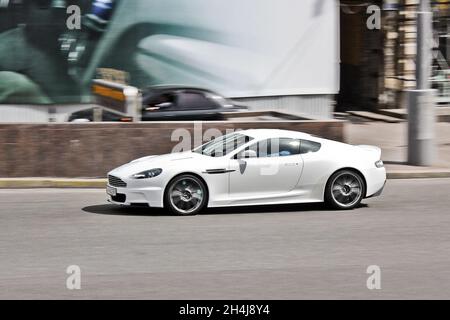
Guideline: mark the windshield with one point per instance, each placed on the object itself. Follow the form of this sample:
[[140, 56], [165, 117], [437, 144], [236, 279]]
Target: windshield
[[223, 145]]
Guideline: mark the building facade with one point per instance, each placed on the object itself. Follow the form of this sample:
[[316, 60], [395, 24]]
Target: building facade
[[378, 65]]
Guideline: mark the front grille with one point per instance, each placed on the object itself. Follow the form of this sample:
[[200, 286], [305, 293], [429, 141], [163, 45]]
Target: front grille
[[120, 198], [116, 182]]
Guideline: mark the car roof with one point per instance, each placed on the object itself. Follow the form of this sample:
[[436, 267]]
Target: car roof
[[275, 133]]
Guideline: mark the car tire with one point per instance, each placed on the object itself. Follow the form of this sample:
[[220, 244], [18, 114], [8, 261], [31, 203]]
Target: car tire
[[345, 190], [186, 195]]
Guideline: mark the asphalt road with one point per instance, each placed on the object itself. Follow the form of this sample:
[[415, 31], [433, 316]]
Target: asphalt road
[[284, 252]]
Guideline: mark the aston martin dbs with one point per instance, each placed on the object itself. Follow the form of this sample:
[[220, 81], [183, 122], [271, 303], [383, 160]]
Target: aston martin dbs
[[252, 167]]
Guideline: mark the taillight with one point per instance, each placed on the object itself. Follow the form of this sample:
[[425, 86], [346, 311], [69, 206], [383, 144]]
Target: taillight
[[379, 164]]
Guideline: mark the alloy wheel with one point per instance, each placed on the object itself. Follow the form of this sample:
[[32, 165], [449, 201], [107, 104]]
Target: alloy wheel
[[186, 195], [346, 189]]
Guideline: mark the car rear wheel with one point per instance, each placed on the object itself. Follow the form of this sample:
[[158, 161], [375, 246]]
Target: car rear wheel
[[186, 195], [345, 190]]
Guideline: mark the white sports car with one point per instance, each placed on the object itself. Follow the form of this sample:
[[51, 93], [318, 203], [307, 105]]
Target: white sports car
[[253, 167]]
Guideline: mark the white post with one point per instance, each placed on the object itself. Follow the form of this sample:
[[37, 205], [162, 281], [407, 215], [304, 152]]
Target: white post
[[421, 102], [134, 103]]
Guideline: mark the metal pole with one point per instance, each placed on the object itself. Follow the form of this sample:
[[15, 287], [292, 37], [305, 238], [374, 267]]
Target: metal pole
[[421, 104], [424, 40]]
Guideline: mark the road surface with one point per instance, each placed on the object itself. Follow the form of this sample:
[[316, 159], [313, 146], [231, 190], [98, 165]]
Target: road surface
[[277, 252]]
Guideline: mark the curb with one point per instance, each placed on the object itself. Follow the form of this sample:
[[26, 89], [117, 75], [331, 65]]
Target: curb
[[35, 183], [418, 175], [52, 183]]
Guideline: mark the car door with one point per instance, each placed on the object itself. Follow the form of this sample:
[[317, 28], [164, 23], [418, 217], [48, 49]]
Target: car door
[[267, 168]]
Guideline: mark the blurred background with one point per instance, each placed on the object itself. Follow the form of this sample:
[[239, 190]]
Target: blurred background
[[282, 55], [257, 63], [308, 58]]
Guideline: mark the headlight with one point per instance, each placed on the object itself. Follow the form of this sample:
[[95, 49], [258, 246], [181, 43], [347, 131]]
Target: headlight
[[147, 174], [379, 164]]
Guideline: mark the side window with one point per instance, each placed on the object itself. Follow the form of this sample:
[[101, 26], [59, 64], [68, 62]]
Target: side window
[[283, 147], [161, 102], [193, 101], [309, 146]]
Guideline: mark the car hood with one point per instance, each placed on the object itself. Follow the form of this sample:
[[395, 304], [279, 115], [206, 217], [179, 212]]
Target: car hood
[[153, 162]]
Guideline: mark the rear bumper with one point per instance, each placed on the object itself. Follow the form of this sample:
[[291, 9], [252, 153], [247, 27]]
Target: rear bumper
[[376, 180], [379, 192]]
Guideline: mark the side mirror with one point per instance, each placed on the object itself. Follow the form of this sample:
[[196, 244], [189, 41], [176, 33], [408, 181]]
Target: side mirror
[[247, 154]]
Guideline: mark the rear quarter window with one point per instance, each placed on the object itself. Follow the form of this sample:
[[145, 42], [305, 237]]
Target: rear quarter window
[[307, 146]]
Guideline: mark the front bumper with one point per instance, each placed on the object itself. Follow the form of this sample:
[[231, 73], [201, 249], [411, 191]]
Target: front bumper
[[151, 196]]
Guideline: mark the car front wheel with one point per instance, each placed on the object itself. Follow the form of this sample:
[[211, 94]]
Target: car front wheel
[[345, 190], [186, 195]]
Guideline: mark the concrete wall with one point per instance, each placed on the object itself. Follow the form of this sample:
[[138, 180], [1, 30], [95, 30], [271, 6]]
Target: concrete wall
[[317, 107], [91, 150]]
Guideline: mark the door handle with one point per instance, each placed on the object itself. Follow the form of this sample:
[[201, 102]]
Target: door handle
[[291, 164]]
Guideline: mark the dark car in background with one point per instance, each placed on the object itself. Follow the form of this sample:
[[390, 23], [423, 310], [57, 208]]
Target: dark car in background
[[172, 103], [181, 103]]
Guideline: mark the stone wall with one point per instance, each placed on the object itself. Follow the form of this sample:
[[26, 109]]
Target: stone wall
[[91, 150]]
